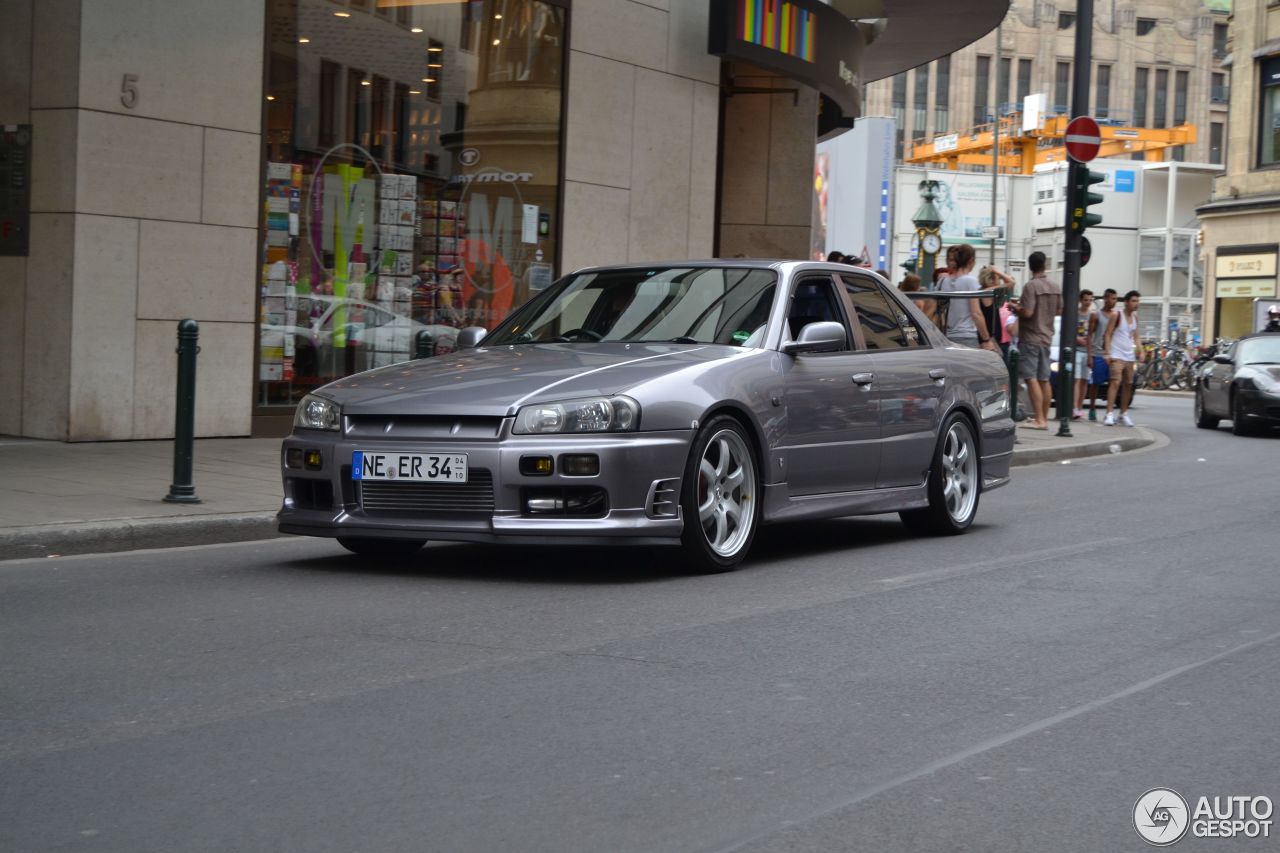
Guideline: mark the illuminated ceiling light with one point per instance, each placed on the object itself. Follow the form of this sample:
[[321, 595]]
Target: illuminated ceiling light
[[366, 82], [435, 50], [271, 97], [497, 42], [415, 91], [497, 17], [304, 40], [428, 79], [342, 14], [435, 65], [415, 29]]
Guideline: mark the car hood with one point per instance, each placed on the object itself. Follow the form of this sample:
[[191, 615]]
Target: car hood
[[498, 380], [1269, 373]]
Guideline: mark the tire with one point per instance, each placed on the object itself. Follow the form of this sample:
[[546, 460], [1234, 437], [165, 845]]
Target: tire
[[955, 483], [1203, 419], [381, 548], [1239, 424], [719, 498]]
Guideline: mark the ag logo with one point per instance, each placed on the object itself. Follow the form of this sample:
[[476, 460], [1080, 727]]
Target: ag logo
[[1161, 817], [469, 156]]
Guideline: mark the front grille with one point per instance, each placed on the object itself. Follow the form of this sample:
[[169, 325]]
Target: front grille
[[401, 498], [423, 427]]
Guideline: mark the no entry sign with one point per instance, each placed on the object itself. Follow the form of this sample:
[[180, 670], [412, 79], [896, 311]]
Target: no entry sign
[[1083, 139]]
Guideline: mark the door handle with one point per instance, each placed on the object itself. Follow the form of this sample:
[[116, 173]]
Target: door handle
[[938, 373], [864, 378]]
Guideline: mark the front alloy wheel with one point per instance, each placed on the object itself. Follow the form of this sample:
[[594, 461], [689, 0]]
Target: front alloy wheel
[[1203, 419], [720, 497]]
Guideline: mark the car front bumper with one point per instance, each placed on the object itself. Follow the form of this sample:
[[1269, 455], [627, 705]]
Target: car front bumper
[[637, 471], [1260, 406]]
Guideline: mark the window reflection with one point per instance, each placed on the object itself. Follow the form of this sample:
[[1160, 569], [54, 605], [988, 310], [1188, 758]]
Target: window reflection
[[411, 179]]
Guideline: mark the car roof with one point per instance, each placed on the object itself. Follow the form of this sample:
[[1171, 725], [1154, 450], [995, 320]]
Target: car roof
[[784, 265]]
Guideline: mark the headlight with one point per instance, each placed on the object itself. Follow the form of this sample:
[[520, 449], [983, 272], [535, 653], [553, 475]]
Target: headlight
[[317, 413], [594, 414]]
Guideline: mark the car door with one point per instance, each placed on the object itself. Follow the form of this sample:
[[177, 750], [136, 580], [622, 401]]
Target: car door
[[1216, 382], [910, 375], [832, 430]]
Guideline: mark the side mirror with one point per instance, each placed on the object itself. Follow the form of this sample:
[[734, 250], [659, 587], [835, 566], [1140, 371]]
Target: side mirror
[[469, 337], [824, 336], [1222, 359]]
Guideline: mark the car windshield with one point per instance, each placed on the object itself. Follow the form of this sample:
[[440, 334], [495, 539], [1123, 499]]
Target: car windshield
[[691, 305], [1258, 350]]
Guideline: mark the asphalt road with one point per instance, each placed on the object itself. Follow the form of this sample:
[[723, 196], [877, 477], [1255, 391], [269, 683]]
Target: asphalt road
[[1109, 626]]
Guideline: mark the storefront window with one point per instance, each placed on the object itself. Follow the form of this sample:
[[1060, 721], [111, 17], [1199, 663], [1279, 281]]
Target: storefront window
[[1269, 136], [411, 179]]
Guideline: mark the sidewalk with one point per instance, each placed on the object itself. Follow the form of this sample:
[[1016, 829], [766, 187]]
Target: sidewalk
[[106, 496]]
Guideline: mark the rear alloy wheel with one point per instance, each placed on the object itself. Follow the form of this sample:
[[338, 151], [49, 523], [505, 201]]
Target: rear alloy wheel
[[381, 548], [720, 497], [1239, 424], [1203, 420], [955, 479]]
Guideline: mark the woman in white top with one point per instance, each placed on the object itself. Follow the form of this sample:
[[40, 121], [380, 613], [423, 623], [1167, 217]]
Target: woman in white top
[[1121, 348]]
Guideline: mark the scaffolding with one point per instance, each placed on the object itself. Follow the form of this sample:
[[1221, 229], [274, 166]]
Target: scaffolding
[[1022, 149]]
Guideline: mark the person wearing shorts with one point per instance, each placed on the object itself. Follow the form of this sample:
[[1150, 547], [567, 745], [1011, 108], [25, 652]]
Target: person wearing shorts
[[1122, 345], [1080, 378], [1041, 301], [1100, 377]]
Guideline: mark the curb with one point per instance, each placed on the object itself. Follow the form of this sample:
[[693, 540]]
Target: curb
[[131, 534], [1169, 393], [1136, 439]]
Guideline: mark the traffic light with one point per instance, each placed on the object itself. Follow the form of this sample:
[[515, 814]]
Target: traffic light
[[1081, 198]]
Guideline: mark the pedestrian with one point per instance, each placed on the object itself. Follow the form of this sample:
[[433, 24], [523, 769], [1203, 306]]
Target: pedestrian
[[1041, 301], [1122, 346], [1273, 319], [1084, 321], [1008, 326], [966, 324], [993, 279], [1100, 375], [911, 284]]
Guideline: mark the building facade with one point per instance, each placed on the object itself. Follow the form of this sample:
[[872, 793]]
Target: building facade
[[1242, 219], [1156, 63], [326, 185]]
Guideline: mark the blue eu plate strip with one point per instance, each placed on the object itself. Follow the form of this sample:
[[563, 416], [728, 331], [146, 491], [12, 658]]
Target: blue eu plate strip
[[357, 462]]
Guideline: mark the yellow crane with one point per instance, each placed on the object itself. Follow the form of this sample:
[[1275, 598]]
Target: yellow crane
[[1022, 150]]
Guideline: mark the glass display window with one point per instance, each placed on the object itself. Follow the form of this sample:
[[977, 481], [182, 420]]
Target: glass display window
[[412, 178]]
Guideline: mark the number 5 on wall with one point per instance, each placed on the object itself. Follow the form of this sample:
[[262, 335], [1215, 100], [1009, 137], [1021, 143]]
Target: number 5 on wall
[[129, 91]]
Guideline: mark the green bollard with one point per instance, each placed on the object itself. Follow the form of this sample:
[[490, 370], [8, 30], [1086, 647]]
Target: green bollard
[[424, 345], [1013, 385], [182, 490]]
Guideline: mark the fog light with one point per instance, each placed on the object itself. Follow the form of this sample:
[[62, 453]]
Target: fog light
[[293, 457], [580, 465], [536, 466], [313, 460]]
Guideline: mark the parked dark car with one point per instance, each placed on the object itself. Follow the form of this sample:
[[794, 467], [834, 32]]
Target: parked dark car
[[679, 403], [1242, 384]]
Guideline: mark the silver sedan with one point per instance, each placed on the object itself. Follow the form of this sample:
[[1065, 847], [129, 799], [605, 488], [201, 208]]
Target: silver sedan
[[681, 403]]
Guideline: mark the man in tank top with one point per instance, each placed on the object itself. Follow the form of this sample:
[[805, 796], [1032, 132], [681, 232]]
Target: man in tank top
[[1122, 346], [1099, 377]]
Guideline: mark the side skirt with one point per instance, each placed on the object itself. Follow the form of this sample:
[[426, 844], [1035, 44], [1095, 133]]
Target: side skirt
[[779, 505]]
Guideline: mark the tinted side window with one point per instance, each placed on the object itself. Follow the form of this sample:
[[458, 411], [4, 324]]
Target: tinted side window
[[884, 324], [814, 301]]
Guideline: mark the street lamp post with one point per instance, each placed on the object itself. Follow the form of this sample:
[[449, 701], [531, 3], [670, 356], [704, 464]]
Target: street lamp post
[[928, 236]]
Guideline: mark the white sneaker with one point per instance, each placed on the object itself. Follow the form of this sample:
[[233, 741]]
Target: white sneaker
[[1110, 419], [1126, 420]]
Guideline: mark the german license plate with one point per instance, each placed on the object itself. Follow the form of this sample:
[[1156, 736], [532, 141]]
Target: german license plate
[[415, 467]]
